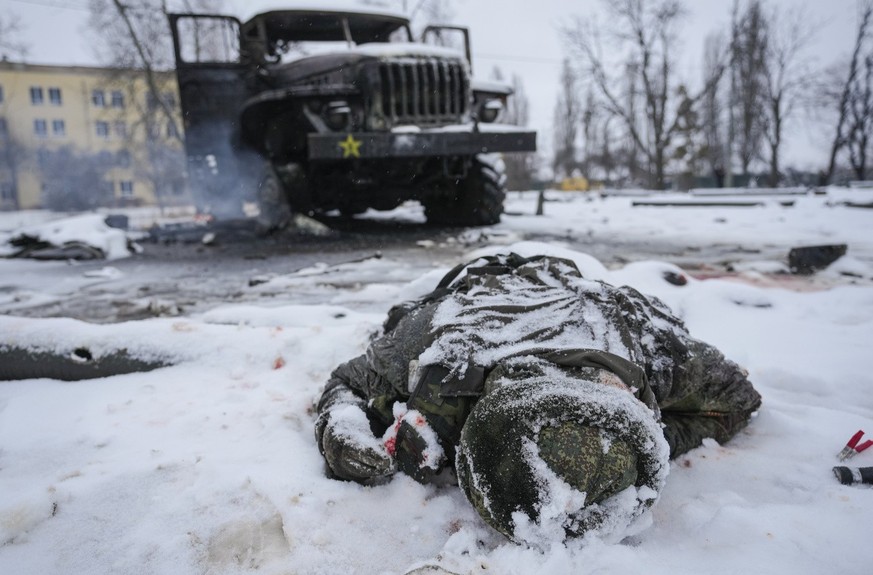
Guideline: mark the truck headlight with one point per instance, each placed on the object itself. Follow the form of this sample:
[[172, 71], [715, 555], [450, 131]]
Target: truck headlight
[[490, 110], [337, 115]]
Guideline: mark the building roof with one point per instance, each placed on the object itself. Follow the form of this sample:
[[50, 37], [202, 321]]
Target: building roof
[[9, 65]]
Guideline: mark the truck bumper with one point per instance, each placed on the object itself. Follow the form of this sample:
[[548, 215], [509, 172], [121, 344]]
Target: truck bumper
[[426, 143]]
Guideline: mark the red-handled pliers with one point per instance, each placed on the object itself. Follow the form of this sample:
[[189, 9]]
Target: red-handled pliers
[[852, 448]]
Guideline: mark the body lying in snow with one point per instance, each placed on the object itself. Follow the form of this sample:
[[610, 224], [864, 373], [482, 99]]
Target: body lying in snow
[[558, 400]]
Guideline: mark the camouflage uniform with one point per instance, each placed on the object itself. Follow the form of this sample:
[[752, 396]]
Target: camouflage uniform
[[507, 320]]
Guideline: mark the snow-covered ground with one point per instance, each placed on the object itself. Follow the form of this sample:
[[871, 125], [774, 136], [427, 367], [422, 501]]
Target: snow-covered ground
[[209, 466]]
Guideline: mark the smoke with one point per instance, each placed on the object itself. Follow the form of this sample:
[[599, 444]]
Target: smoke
[[222, 177]]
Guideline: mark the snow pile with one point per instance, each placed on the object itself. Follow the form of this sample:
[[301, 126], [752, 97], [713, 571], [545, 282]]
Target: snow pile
[[87, 230]]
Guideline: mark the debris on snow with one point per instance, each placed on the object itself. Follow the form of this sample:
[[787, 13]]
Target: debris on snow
[[809, 259]]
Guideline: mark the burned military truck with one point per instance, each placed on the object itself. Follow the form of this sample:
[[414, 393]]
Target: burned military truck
[[317, 111]]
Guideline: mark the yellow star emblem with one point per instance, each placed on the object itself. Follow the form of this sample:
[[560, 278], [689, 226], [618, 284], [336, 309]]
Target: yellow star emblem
[[351, 147]]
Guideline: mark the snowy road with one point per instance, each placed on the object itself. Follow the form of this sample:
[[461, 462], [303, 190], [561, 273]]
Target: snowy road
[[168, 279]]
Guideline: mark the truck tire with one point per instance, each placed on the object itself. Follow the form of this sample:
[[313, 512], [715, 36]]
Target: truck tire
[[476, 200], [274, 209]]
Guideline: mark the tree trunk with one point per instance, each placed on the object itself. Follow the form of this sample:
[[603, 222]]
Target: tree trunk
[[839, 138], [775, 142], [147, 68], [774, 165], [660, 178]]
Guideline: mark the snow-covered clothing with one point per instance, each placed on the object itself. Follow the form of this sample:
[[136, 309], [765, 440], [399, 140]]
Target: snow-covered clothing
[[616, 360]]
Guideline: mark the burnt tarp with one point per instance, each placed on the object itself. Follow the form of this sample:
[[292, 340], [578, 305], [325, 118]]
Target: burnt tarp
[[806, 260], [37, 249]]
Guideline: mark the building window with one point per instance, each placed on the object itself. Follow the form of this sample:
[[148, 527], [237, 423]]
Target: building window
[[117, 99], [43, 156], [126, 187], [120, 129], [55, 96], [40, 128], [123, 158], [102, 129], [59, 128], [7, 193], [36, 95], [98, 98]]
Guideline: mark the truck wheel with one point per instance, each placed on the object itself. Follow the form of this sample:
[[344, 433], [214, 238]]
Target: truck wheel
[[476, 200], [275, 212]]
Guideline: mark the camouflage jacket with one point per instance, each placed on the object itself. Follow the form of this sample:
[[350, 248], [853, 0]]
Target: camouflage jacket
[[499, 318]]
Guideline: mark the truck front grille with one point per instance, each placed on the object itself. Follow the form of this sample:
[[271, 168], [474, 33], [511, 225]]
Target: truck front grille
[[425, 91]]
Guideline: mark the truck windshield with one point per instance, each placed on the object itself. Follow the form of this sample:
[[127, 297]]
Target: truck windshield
[[288, 51], [292, 35], [299, 26]]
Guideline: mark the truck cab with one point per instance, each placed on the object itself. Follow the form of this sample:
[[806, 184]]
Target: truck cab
[[316, 110]]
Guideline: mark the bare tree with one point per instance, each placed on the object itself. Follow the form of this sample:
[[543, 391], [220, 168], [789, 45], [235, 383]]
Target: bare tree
[[713, 119], [647, 30], [11, 43], [589, 119], [438, 11], [426, 12], [137, 40], [786, 79], [12, 151], [13, 155], [749, 37], [854, 106], [566, 124], [134, 41], [606, 158], [689, 147], [520, 168]]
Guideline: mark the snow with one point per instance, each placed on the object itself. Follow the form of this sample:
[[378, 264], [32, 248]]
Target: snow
[[254, 7], [615, 411], [210, 465], [433, 454], [400, 49], [557, 315], [89, 229]]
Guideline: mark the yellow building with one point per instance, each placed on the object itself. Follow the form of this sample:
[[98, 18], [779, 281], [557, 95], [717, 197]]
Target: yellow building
[[81, 137]]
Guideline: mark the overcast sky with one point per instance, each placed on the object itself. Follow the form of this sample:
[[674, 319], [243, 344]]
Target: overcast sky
[[520, 36]]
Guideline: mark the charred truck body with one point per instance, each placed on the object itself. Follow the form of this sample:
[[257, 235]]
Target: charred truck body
[[314, 111]]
